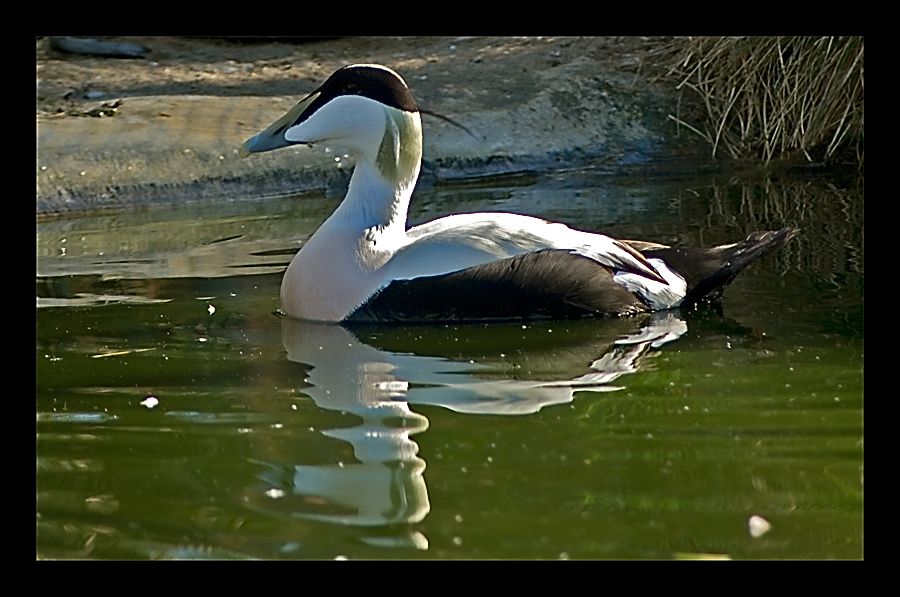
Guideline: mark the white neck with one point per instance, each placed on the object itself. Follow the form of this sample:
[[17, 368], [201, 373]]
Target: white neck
[[372, 201], [384, 177], [340, 266]]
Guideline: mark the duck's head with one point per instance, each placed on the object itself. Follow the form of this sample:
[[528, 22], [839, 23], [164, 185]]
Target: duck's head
[[366, 108]]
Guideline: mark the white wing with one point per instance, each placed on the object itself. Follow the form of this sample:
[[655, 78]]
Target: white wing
[[465, 240]]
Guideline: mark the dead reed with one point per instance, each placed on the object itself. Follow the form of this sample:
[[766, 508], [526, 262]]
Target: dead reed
[[776, 97]]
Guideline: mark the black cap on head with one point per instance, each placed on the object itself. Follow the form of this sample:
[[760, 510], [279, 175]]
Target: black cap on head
[[374, 82]]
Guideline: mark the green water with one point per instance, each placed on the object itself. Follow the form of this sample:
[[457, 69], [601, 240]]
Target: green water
[[652, 437]]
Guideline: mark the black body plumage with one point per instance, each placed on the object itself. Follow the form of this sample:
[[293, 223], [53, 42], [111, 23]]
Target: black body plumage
[[708, 271], [556, 284]]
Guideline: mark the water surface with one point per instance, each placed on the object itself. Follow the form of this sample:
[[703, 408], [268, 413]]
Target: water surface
[[651, 437]]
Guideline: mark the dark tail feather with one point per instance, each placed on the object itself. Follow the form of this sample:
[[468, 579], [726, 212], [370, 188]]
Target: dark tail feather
[[708, 271]]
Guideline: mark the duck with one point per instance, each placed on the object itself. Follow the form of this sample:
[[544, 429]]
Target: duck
[[364, 265]]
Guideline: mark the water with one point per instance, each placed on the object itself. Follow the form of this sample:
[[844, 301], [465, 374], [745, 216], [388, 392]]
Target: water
[[652, 437]]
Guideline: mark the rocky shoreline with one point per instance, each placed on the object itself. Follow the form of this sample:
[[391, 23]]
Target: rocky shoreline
[[114, 132]]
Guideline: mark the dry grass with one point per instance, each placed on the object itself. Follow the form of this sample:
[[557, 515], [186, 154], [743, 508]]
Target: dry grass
[[776, 97]]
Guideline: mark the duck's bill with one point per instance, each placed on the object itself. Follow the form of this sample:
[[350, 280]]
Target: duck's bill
[[274, 136]]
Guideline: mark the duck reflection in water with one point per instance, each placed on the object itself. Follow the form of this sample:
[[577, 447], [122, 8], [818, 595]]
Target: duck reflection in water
[[515, 370]]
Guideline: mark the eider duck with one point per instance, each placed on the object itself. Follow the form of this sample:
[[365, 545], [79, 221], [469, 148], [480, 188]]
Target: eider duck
[[364, 265]]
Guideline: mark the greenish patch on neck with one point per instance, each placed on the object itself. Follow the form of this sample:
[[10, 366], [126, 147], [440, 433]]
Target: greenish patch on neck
[[400, 152]]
